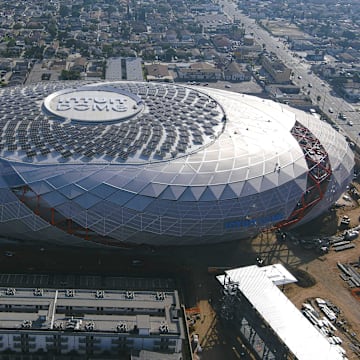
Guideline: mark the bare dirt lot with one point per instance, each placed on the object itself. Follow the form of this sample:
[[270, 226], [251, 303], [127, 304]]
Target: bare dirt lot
[[331, 287]]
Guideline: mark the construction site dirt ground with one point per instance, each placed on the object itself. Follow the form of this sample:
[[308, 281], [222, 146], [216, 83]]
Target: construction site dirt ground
[[192, 269], [322, 269]]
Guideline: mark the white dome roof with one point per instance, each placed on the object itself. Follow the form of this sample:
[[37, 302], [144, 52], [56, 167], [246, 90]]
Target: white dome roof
[[160, 163]]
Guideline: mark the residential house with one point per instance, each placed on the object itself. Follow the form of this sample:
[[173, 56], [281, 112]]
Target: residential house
[[236, 72], [315, 55], [351, 91], [248, 53], [221, 43], [158, 72], [200, 71]]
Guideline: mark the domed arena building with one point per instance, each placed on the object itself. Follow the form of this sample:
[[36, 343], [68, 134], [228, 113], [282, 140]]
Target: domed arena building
[[130, 163]]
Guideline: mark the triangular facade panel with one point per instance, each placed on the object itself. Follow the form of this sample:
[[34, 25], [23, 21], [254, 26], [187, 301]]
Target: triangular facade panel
[[139, 203], [118, 181], [54, 198], [284, 177], [248, 189], [7, 196], [104, 191], [92, 218], [208, 195], [87, 200], [217, 190], [301, 182], [153, 190], [198, 191], [256, 183], [237, 187], [288, 170], [228, 193], [69, 209], [299, 168], [64, 179], [121, 197], [267, 182], [41, 187], [71, 191], [173, 192]]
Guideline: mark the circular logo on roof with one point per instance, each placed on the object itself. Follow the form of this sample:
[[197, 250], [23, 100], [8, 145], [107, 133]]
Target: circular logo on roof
[[93, 104]]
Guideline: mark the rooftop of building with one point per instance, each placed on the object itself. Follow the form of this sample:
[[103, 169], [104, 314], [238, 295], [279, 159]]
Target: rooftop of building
[[149, 312]]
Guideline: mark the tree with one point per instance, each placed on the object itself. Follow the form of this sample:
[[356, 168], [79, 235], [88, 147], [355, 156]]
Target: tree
[[62, 36], [64, 11], [70, 75], [148, 55], [349, 35], [125, 31], [52, 29], [34, 52], [75, 11], [108, 50], [17, 26], [11, 43], [169, 54]]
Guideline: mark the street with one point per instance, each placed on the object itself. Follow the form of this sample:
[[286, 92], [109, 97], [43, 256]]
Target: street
[[303, 76]]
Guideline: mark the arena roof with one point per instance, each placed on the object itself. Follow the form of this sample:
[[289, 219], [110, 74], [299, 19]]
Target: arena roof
[[123, 122], [151, 162]]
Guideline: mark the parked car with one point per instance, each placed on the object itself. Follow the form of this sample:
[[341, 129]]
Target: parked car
[[345, 220], [351, 235]]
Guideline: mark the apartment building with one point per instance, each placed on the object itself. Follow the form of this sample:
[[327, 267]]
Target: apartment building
[[89, 322], [279, 72]]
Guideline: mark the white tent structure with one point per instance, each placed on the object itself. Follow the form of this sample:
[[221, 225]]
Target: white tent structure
[[258, 285]]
